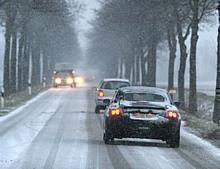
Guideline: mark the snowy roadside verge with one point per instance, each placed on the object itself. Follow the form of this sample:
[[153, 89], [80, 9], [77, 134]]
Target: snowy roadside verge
[[198, 144], [22, 107], [200, 123], [14, 101], [14, 142], [202, 127]]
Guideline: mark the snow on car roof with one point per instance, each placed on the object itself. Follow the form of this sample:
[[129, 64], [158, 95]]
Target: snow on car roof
[[143, 89], [120, 80]]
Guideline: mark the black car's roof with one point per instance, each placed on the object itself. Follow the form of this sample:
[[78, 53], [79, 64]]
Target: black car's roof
[[142, 89]]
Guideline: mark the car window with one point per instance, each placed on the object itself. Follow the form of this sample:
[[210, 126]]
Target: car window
[[113, 85], [150, 97], [63, 74]]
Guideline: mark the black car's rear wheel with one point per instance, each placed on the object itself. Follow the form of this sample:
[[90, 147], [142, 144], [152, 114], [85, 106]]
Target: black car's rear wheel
[[97, 109], [174, 141], [107, 137]]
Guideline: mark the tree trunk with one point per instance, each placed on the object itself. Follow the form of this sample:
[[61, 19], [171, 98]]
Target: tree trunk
[[25, 69], [121, 67], [216, 113], [128, 68], [193, 49], [134, 79], [183, 55], [6, 58], [171, 36], [143, 68], [46, 67], [181, 75], [137, 69], [20, 62], [152, 65], [13, 63], [35, 65], [182, 67]]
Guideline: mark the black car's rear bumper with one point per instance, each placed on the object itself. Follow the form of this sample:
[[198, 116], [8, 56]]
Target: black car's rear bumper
[[125, 128]]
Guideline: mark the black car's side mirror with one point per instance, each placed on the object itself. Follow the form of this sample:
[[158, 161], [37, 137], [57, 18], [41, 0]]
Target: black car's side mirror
[[115, 101], [107, 102], [121, 97], [177, 104]]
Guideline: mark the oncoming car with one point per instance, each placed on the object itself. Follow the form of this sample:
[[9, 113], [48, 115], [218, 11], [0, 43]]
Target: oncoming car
[[142, 112], [106, 90], [64, 78]]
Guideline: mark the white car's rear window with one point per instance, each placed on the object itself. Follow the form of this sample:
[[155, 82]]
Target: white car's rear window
[[113, 85]]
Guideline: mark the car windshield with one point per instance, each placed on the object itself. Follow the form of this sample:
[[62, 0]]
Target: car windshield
[[149, 97], [63, 74], [113, 85]]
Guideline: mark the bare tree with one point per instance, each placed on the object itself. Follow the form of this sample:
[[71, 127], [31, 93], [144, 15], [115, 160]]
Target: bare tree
[[216, 113], [200, 10], [40, 29]]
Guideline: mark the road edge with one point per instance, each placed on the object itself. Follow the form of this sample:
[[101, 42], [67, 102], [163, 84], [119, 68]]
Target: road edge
[[22, 107]]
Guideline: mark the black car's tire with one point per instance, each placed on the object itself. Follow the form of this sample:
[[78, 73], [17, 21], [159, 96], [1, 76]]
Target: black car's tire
[[97, 109], [174, 141], [107, 138]]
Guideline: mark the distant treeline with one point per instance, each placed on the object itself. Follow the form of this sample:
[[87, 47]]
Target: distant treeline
[[127, 35], [38, 34]]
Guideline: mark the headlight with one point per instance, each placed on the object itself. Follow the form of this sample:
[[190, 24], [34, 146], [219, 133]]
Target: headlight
[[69, 80], [58, 81], [79, 80]]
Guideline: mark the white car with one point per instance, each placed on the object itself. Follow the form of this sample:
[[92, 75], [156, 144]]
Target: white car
[[106, 90]]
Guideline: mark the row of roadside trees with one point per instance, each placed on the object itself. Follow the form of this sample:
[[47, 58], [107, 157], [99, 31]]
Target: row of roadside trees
[[38, 34], [128, 35]]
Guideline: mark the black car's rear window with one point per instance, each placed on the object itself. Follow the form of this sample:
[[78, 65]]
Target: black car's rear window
[[113, 85], [149, 97]]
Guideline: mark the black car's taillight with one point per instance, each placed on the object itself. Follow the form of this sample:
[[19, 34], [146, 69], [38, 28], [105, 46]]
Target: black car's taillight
[[172, 115], [115, 113]]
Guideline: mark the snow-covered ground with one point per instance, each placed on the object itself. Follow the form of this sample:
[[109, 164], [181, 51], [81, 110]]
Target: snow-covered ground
[[58, 129]]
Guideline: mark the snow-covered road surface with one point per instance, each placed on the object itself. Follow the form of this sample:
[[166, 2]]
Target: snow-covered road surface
[[59, 130]]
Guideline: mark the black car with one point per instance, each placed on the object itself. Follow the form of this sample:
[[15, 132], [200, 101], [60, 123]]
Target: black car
[[142, 112], [64, 78]]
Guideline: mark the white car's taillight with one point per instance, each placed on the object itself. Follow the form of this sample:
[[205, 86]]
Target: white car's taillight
[[101, 93]]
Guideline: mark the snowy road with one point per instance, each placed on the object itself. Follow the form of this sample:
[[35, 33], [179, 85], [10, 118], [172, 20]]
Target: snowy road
[[59, 130]]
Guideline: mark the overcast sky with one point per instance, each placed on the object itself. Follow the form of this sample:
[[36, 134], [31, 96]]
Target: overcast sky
[[87, 15]]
